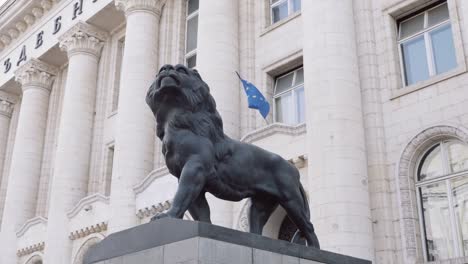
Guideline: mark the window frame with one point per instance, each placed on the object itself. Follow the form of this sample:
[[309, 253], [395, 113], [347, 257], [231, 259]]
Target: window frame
[[290, 9], [425, 32], [117, 49], [445, 178], [188, 55], [293, 95]]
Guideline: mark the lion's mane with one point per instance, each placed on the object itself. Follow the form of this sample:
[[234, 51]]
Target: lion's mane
[[199, 113]]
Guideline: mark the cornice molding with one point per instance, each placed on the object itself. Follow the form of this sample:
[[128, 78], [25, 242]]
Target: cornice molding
[[155, 174], [29, 223], [36, 73], [154, 209], [86, 231], [83, 38], [30, 249], [86, 202], [130, 6], [13, 26], [275, 128]]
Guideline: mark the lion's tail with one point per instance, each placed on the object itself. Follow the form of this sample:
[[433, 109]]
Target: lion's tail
[[306, 202]]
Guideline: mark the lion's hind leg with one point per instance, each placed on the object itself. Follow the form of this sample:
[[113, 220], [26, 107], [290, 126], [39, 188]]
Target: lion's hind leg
[[260, 210], [295, 208]]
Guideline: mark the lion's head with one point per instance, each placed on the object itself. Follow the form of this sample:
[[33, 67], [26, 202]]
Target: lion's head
[[178, 87], [181, 86]]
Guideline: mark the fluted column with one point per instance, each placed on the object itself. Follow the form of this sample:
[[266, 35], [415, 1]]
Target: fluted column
[[6, 110], [336, 147], [83, 44], [36, 79], [135, 130], [217, 62]]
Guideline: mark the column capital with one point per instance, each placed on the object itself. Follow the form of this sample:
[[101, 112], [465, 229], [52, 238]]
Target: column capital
[[36, 73], [129, 6], [83, 38]]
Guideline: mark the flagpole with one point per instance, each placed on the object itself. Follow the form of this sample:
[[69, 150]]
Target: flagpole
[[238, 75]]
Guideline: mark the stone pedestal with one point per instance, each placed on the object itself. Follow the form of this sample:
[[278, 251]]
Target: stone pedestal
[[169, 241]]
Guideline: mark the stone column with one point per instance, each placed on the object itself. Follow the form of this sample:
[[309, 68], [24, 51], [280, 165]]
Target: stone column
[[6, 110], [83, 44], [337, 152], [135, 130], [218, 58], [217, 62], [36, 79]]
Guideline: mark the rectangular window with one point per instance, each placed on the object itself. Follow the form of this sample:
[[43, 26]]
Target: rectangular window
[[117, 75], [109, 166], [289, 98], [281, 9], [426, 44], [191, 36]]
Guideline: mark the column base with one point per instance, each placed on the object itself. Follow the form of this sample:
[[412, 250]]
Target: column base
[[179, 241]]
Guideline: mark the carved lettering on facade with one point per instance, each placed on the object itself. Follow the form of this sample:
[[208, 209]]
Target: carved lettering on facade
[[57, 25], [39, 39], [7, 65], [77, 9], [22, 56]]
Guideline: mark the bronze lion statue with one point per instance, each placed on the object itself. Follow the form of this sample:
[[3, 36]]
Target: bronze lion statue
[[204, 159]]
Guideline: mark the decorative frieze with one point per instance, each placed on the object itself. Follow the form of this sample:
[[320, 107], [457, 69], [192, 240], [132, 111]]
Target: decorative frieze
[[35, 73], [83, 37], [154, 209], [86, 231], [33, 14], [21, 26], [29, 19], [14, 33], [6, 40], [37, 12], [31, 249], [129, 6], [46, 4]]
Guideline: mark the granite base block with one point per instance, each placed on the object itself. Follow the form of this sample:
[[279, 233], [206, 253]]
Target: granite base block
[[171, 241]]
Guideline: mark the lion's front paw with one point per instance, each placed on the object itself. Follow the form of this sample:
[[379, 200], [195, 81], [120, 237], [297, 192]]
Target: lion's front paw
[[159, 216]]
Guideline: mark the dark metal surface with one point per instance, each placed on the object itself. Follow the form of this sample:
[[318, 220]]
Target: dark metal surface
[[204, 159]]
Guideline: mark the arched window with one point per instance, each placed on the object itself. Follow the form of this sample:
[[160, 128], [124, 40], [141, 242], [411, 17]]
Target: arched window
[[442, 185]]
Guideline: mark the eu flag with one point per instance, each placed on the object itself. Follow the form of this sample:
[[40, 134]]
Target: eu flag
[[255, 98]]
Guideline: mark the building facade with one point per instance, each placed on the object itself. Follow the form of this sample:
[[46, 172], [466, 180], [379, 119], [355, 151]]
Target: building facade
[[369, 100]]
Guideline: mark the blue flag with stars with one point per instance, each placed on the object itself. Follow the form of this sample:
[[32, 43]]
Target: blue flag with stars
[[255, 98]]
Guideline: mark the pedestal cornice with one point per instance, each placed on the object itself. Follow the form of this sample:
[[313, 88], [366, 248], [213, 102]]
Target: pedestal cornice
[[83, 38], [35, 73], [130, 6]]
